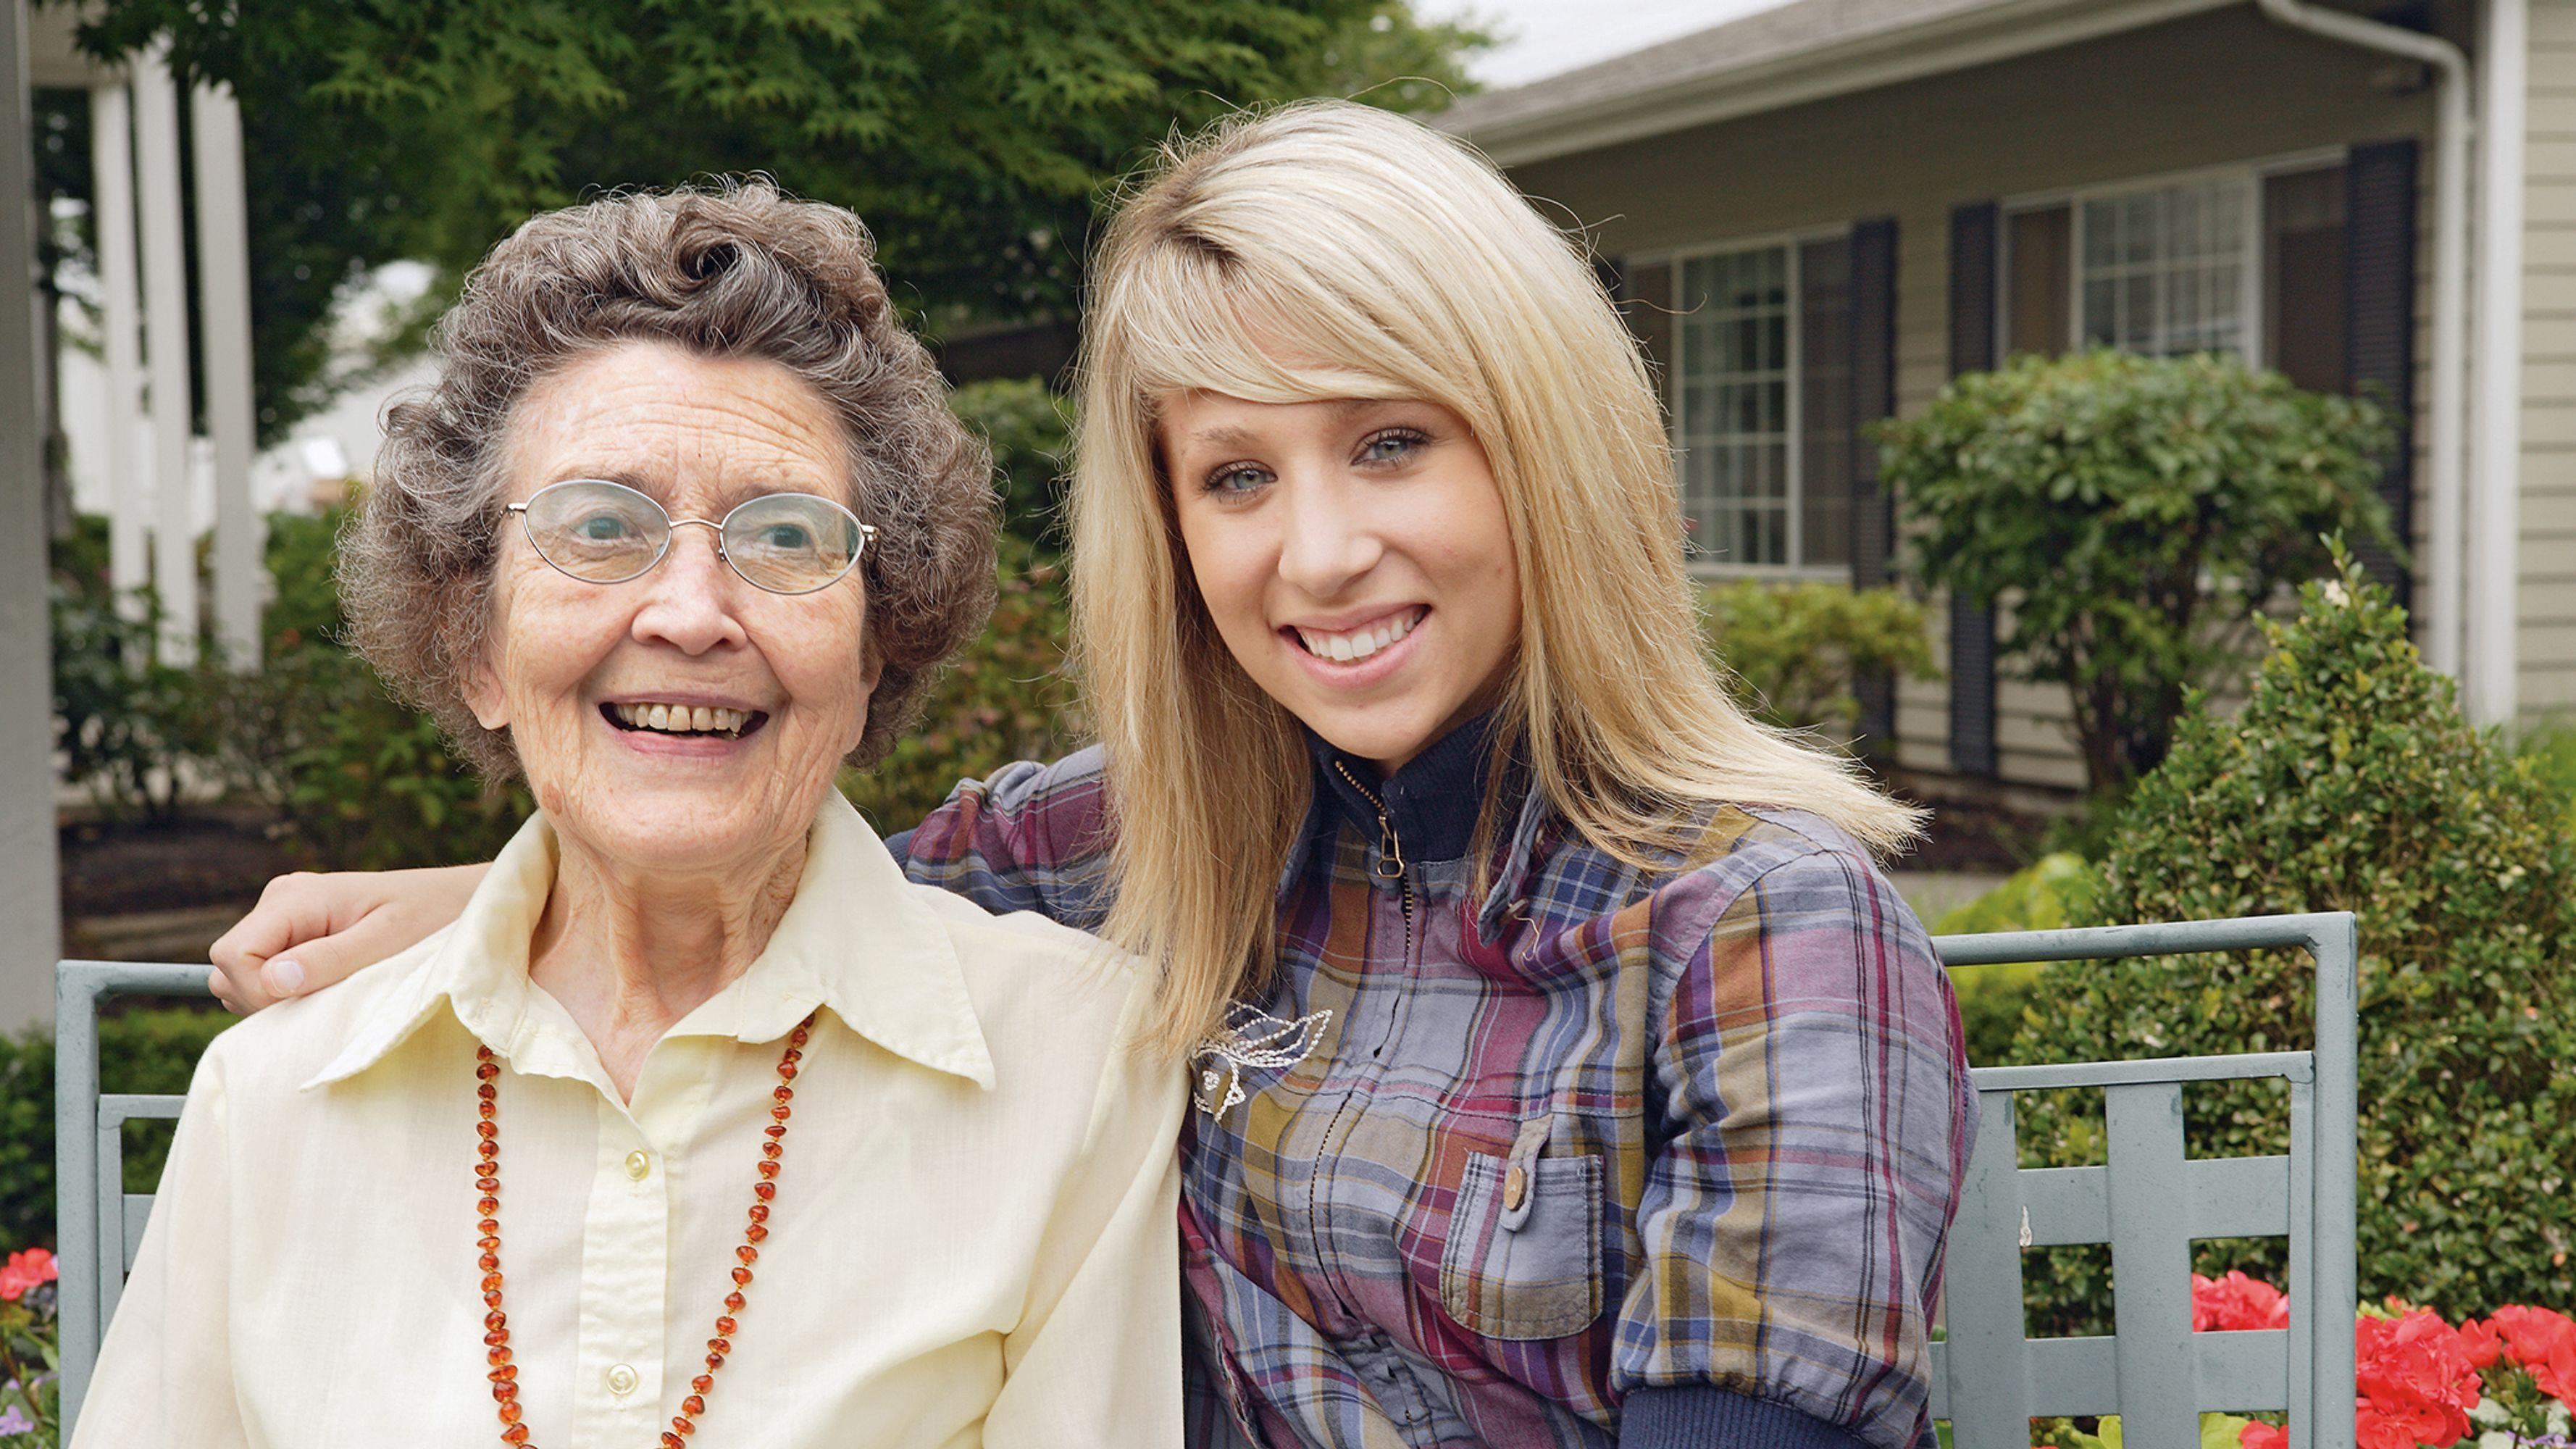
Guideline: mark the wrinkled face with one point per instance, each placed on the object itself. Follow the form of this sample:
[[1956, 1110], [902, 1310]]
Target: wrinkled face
[[683, 721], [1354, 557]]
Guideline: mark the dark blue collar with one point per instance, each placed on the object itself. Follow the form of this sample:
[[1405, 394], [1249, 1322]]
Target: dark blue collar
[[1431, 803]]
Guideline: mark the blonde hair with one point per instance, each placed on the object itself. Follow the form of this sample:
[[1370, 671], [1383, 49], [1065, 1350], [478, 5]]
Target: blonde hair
[[1329, 250]]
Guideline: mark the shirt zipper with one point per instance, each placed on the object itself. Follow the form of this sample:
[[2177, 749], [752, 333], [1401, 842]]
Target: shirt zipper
[[1390, 866], [1390, 853]]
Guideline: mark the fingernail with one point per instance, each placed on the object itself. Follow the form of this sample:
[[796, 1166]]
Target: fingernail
[[284, 978]]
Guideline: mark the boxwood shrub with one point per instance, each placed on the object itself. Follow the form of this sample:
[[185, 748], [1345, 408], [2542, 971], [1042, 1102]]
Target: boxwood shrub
[[2350, 781]]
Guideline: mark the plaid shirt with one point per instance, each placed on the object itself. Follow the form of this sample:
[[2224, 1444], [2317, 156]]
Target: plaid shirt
[[1597, 1131]]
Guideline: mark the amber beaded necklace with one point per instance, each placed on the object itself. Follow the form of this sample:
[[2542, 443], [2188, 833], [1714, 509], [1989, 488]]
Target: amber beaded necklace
[[496, 1322]]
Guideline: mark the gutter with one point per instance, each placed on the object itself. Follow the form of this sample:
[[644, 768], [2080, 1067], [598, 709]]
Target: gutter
[[2441, 610], [2496, 439]]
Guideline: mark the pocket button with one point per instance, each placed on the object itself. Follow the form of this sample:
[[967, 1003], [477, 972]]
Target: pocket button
[[1515, 1187]]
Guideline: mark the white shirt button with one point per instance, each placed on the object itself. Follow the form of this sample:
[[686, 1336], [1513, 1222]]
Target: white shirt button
[[639, 1164], [622, 1379]]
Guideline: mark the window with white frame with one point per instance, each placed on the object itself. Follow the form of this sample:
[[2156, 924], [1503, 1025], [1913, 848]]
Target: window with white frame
[[2164, 271], [1755, 345], [2248, 262]]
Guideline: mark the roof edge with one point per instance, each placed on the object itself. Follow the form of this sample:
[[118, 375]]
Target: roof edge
[[1951, 42]]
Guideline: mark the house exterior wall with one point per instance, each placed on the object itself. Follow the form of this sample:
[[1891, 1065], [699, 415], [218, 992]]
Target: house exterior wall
[[2216, 89], [2545, 640]]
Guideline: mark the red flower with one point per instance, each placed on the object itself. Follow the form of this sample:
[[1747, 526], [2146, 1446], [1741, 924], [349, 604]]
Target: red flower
[[25, 1270], [2236, 1303], [2543, 1342], [2481, 1341], [2259, 1435], [2417, 1382]]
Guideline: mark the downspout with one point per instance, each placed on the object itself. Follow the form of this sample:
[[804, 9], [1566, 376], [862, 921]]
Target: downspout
[[2444, 553], [2495, 440]]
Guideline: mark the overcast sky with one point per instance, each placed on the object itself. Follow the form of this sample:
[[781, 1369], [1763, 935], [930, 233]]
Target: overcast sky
[[1542, 37]]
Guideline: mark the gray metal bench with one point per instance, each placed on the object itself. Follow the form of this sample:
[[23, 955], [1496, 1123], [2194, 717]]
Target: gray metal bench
[[98, 1225], [1988, 1378]]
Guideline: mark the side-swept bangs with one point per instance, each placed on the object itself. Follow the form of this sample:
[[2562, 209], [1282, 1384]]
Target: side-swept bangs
[[1325, 251]]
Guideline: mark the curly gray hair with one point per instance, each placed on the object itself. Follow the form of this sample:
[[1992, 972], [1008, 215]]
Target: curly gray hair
[[734, 270]]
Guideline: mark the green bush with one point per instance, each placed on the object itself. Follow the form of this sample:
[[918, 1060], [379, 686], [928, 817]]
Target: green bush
[[2349, 781], [1795, 649], [364, 783], [142, 1050], [2551, 749], [2136, 515], [1006, 698], [303, 552], [1030, 429], [134, 732], [1995, 1002], [361, 782], [2050, 893]]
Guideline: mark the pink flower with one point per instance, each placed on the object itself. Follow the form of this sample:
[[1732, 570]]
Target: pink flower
[[2543, 1343], [2481, 1341], [2259, 1435], [2417, 1382], [2236, 1303], [24, 1270]]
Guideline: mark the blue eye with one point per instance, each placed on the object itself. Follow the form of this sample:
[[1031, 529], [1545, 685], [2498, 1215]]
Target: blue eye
[[786, 535], [601, 528], [1390, 447], [1239, 479]]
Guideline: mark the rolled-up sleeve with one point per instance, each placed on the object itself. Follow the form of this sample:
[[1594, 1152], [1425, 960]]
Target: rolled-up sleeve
[[1098, 1348], [1028, 838], [165, 1371], [1813, 1080]]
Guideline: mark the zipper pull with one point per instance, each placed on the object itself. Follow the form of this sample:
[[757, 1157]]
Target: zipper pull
[[1390, 860]]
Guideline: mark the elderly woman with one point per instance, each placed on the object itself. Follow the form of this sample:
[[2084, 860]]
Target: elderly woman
[[769, 1146]]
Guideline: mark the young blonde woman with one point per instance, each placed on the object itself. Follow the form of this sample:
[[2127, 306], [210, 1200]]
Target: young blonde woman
[[1567, 1072]]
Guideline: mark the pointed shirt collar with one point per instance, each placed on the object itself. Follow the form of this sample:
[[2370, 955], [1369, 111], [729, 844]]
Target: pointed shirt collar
[[858, 938]]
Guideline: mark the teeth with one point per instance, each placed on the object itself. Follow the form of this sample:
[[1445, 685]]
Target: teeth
[[682, 718], [1359, 644]]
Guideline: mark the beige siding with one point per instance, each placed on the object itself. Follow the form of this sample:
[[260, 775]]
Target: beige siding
[[2545, 639], [2213, 90]]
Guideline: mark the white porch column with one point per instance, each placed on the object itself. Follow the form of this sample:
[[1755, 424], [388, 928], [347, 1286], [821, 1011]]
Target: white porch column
[[111, 127], [165, 330], [223, 297], [30, 927]]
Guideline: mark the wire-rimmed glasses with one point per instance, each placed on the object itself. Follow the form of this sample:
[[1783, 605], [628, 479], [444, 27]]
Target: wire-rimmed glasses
[[607, 533]]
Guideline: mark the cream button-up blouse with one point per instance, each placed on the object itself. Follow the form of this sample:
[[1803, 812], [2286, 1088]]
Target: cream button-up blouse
[[972, 1241]]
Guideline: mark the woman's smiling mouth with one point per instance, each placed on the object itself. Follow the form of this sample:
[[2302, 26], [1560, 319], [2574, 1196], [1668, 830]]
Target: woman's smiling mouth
[[1350, 646], [684, 719]]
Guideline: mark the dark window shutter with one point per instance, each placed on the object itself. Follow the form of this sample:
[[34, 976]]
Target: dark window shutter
[[1873, 384], [1973, 268], [2379, 325]]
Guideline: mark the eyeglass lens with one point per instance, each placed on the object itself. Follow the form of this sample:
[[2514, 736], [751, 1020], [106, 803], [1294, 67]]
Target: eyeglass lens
[[606, 533]]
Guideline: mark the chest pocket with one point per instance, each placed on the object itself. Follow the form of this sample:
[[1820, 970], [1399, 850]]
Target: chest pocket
[[1523, 1259]]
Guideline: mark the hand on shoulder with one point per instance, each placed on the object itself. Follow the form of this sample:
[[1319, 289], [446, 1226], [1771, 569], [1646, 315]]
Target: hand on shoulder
[[313, 930]]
